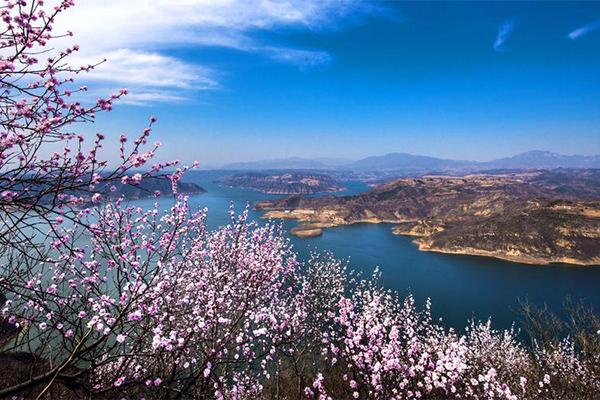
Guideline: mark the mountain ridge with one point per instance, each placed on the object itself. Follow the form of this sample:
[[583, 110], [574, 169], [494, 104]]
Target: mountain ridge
[[396, 161]]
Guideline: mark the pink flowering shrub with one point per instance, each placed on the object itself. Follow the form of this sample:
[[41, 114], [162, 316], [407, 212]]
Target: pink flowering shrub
[[229, 312], [155, 301], [216, 313], [386, 349], [102, 300], [389, 350]]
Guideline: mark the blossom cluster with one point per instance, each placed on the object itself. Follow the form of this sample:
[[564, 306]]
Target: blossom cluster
[[154, 303], [46, 167], [385, 349]]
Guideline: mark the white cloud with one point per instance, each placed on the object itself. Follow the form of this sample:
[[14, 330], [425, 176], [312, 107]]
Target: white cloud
[[150, 69], [134, 34], [141, 98], [584, 30], [504, 31]]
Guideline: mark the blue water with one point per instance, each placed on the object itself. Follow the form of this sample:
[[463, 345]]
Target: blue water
[[460, 287]]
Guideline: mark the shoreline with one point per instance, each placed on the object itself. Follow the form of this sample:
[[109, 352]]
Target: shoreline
[[284, 193], [506, 257], [309, 228]]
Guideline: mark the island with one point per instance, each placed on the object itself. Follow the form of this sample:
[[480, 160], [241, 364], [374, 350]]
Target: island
[[283, 183], [535, 217], [308, 230]]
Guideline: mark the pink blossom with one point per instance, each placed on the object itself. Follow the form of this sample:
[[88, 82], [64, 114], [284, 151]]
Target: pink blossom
[[119, 381], [136, 179], [8, 196]]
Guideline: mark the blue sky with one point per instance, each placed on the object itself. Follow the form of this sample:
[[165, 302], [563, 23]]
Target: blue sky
[[237, 81]]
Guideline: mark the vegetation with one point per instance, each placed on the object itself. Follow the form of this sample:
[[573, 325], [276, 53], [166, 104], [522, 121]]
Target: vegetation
[[107, 301]]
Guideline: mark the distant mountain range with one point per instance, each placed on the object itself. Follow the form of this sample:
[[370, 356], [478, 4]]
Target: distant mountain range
[[409, 163], [546, 160], [281, 163]]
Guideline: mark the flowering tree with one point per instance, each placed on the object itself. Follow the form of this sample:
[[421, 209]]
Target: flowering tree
[[158, 304], [386, 349], [101, 299], [46, 168], [48, 175], [215, 316]]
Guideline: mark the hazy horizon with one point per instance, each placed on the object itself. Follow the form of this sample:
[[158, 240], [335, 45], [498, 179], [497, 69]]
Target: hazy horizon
[[325, 160]]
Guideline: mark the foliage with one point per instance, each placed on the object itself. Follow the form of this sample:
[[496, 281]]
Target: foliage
[[104, 300]]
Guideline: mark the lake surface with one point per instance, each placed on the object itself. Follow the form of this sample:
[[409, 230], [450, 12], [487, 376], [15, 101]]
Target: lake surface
[[460, 287]]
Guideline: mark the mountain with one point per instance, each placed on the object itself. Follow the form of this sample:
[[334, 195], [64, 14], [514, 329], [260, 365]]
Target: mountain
[[405, 161], [538, 159], [535, 159], [281, 163], [409, 164], [392, 161]]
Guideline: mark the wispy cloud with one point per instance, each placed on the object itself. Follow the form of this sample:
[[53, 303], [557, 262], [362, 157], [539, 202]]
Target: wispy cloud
[[301, 58], [146, 68], [150, 77], [134, 34], [504, 32], [584, 30]]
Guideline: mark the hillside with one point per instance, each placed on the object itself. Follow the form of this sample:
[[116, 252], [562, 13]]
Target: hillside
[[537, 217]]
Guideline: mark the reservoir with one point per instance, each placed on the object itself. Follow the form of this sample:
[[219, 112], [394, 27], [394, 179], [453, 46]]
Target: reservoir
[[461, 288]]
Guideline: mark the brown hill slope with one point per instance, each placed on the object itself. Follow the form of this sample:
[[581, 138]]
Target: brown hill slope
[[536, 217]]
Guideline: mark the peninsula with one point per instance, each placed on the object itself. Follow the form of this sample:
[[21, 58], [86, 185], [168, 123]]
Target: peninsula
[[536, 217]]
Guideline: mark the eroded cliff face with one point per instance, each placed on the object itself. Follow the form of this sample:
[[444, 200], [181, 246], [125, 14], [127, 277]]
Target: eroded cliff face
[[539, 233], [540, 218]]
